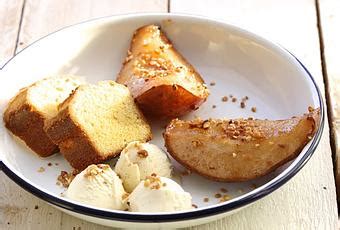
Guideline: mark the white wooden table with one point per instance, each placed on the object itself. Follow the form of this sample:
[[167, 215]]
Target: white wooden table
[[308, 28]]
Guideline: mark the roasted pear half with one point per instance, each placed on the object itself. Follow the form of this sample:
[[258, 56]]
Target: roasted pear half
[[162, 82], [238, 149]]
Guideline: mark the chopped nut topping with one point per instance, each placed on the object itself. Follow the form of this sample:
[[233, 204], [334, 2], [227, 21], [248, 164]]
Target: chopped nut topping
[[142, 153], [225, 98], [66, 178], [41, 169], [310, 137], [257, 145], [206, 199], [196, 143], [234, 155], [310, 109], [94, 170], [153, 182], [206, 124], [253, 109]]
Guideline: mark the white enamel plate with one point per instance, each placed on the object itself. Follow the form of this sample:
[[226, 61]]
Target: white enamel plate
[[239, 62]]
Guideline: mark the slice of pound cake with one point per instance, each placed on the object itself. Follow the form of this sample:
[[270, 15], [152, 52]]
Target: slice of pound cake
[[29, 109], [96, 122]]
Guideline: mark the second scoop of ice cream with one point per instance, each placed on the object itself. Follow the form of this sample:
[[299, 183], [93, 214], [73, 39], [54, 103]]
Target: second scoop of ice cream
[[139, 160], [159, 194]]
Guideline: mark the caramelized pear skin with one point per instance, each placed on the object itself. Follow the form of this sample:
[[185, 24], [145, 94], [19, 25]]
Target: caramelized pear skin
[[162, 82], [238, 149]]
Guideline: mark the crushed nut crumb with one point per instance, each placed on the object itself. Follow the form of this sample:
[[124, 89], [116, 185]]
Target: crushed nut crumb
[[225, 198], [206, 199], [218, 195], [242, 105], [253, 109], [196, 143], [234, 99], [234, 155], [257, 145], [213, 106], [212, 83], [142, 153], [49, 164], [66, 178], [41, 169], [194, 206], [225, 99]]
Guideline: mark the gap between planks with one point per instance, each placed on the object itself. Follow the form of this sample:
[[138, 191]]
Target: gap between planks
[[327, 96], [19, 29]]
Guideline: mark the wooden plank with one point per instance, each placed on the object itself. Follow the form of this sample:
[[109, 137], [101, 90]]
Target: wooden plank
[[43, 17], [330, 23], [308, 201], [40, 18], [10, 14]]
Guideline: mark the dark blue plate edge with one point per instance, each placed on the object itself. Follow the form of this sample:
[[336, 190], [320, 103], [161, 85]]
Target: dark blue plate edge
[[155, 218]]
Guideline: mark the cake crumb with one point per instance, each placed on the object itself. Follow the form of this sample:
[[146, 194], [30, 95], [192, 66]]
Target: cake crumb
[[41, 169], [225, 99], [253, 109]]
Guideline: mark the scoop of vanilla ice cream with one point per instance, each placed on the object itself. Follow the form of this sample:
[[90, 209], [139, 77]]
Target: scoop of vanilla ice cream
[[98, 185], [139, 160], [159, 194]]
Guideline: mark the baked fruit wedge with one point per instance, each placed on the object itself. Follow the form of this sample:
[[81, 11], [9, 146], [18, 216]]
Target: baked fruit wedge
[[240, 149], [162, 82]]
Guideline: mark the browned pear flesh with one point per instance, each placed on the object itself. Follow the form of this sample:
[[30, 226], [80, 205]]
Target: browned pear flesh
[[238, 149], [162, 82]]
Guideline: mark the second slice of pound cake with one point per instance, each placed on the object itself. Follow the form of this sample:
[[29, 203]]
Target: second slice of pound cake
[[33, 105], [96, 122]]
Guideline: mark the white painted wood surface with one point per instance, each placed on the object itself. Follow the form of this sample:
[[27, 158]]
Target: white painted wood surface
[[10, 14], [330, 24], [308, 201]]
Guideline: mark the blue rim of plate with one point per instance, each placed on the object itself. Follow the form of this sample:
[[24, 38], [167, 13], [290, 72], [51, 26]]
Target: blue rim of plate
[[183, 216]]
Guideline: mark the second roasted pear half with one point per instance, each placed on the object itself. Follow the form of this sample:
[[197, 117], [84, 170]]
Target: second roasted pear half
[[238, 149]]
